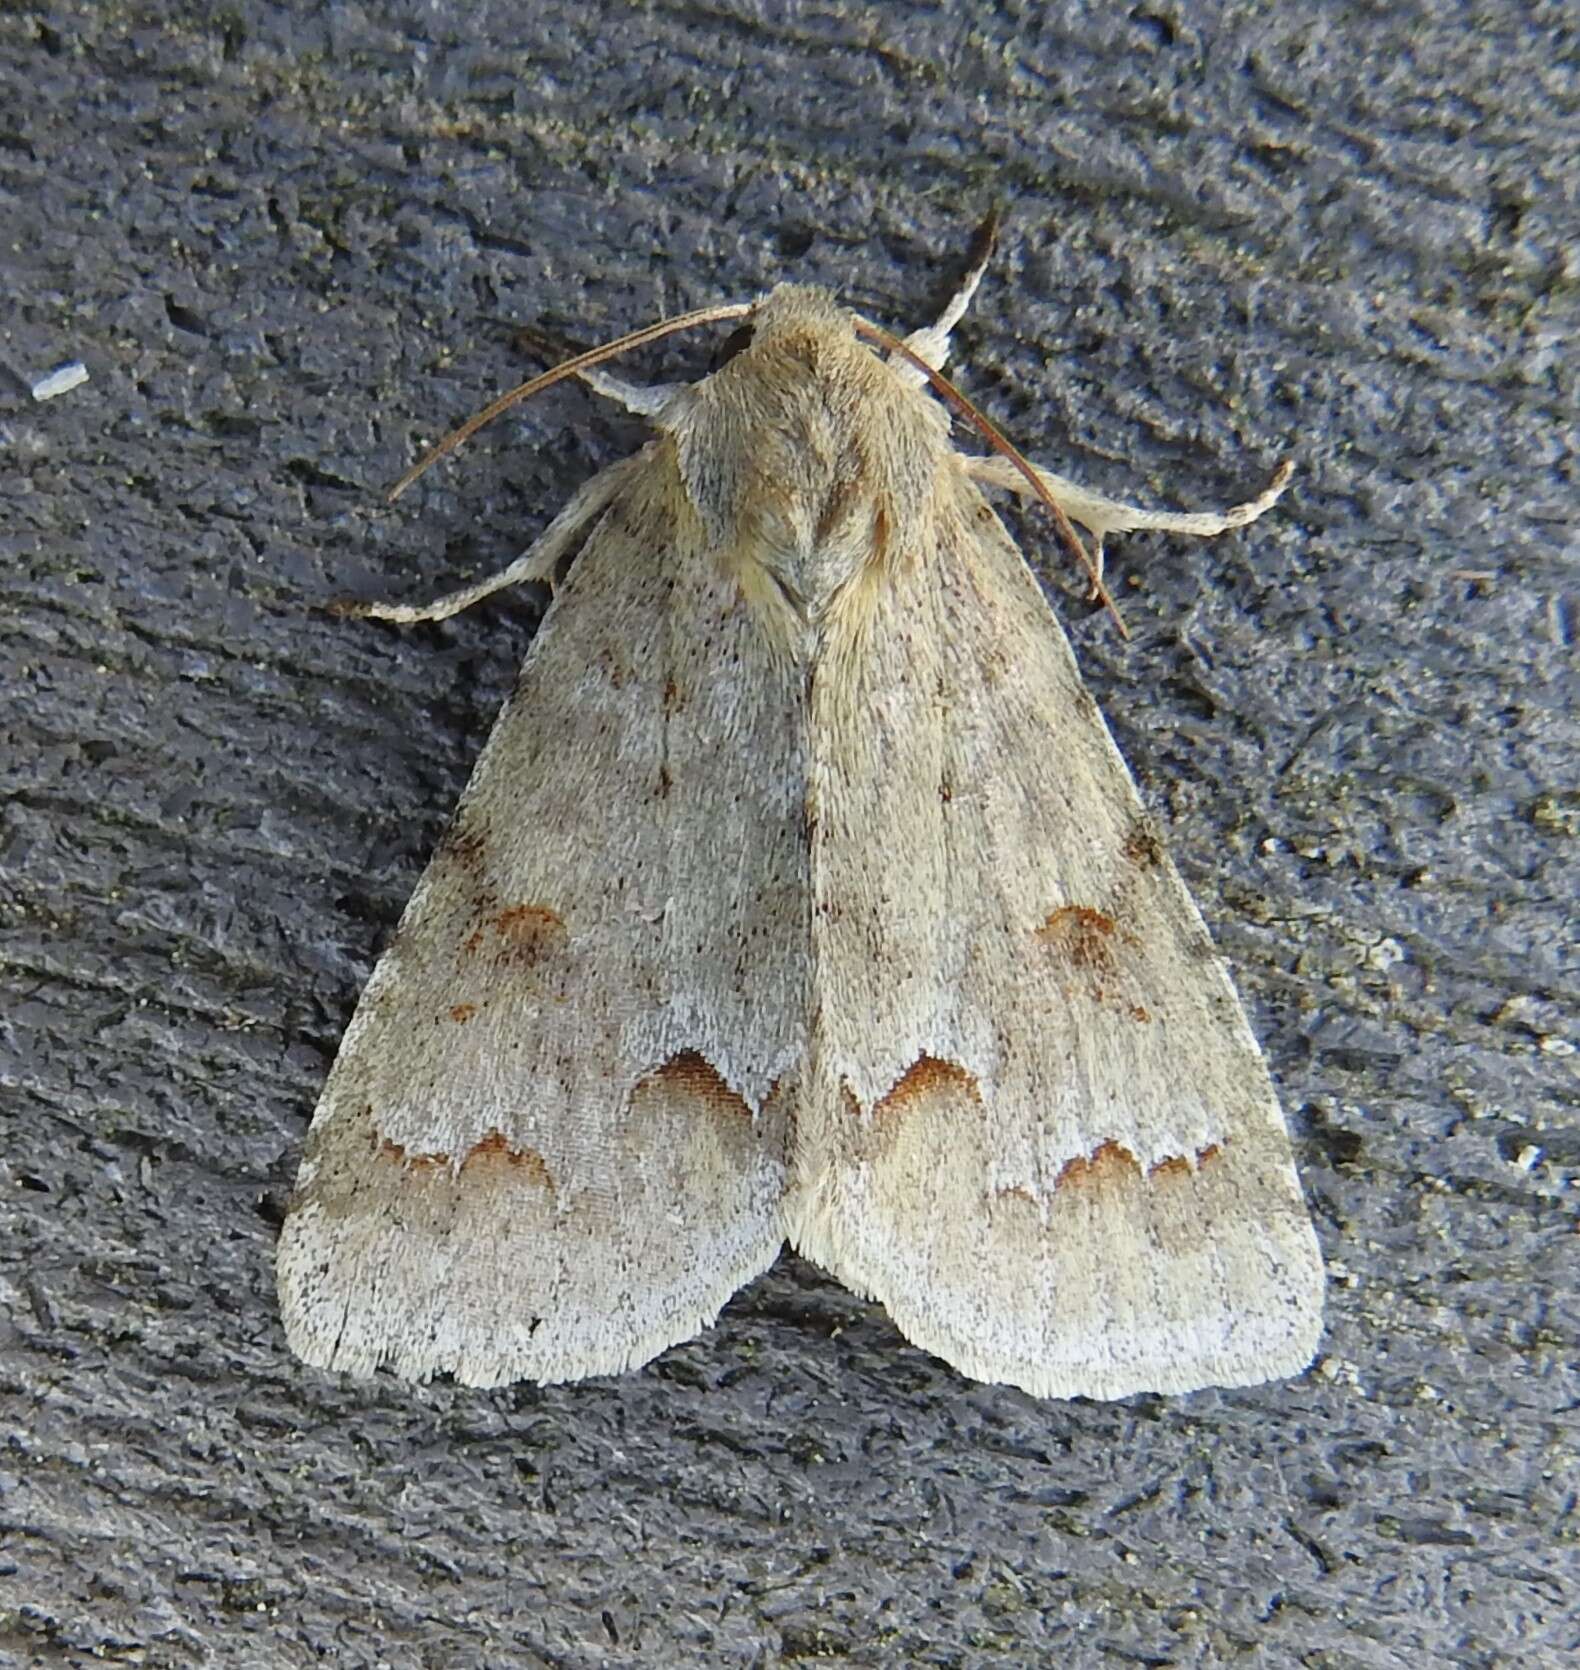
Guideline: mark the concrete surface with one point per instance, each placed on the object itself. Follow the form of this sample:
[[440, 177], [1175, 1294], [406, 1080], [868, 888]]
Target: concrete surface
[[292, 244]]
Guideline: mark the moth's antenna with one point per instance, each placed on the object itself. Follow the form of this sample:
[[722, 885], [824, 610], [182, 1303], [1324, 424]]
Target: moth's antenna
[[594, 356], [996, 439], [984, 240]]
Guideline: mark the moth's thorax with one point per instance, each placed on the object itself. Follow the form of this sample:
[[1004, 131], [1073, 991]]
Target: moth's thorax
[[808, 458]]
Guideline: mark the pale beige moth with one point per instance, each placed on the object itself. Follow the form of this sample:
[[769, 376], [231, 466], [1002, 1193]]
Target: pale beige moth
[[801, 895]]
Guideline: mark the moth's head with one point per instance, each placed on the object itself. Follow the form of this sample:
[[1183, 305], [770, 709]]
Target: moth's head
[[792, 310], [807, 456], [794, 324]]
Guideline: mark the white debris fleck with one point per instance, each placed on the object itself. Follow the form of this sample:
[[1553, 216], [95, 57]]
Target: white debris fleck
[[62, 380], [1528, 1157]]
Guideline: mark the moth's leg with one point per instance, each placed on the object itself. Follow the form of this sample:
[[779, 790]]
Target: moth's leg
[[1102, 516], [645, 399], [639, 398], [931, 343], [539, 562]]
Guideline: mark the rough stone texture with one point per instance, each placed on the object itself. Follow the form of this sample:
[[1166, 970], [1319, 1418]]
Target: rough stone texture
[[291, 247]]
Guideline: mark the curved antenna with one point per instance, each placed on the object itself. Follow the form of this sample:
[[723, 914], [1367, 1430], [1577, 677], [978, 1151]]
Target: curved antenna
[[1000, 443], [594, 356]]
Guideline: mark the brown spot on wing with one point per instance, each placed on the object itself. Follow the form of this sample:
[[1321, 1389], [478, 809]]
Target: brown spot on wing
[[1112, 1163], [1081, 936], [1095, 948], [529, 924], [461, 1013], [398, 1154], [688, 1134], [492, 1154], [1107, 1164], [1178, 1166], [519, 935], [693, 1076], [927, 1076]]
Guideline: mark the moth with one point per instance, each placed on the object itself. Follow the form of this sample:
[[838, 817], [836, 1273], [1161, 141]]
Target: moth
[[801, 895]]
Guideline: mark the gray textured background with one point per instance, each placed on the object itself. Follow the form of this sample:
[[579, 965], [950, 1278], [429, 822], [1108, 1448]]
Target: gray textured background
[[290, 247]]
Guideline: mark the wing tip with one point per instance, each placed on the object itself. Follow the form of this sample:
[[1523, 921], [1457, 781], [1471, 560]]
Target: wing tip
[[1269, 1348], [1186, 1339], [356, 1315]]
